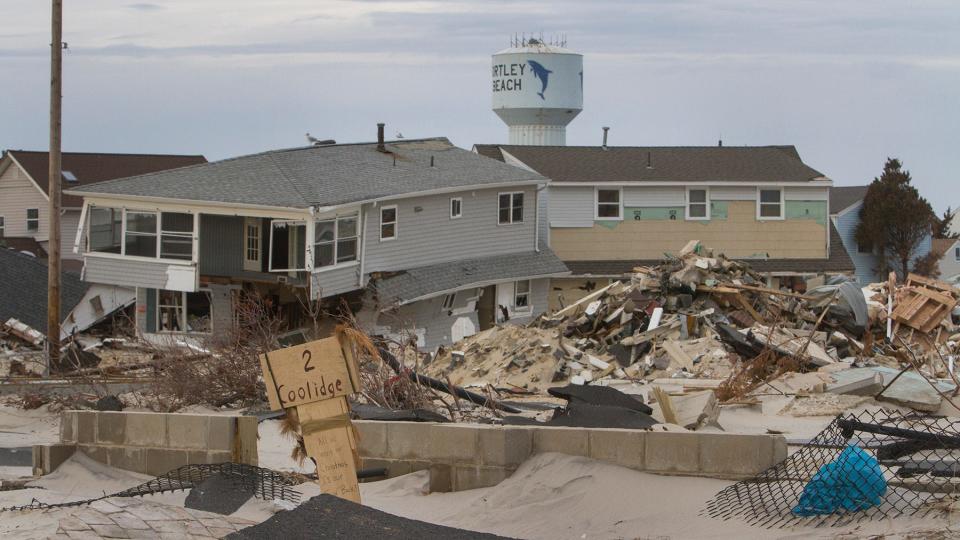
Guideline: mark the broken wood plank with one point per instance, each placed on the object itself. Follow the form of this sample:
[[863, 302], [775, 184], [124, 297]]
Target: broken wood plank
[[678, 355]]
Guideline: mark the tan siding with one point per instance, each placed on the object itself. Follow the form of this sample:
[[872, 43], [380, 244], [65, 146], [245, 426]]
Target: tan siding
[[17, 194], [740, 235]]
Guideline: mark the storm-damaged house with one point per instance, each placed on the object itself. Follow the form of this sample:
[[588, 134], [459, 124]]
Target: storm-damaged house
[[415, 235], [614, 208]]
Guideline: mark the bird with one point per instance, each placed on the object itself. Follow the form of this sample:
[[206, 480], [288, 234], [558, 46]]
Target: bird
[[399, 135], [311, 139]]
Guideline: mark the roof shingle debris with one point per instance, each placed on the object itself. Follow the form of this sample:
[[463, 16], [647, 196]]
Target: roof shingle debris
[[323, 175]]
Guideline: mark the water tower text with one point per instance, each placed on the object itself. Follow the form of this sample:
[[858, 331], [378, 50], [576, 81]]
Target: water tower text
[[507, 77]]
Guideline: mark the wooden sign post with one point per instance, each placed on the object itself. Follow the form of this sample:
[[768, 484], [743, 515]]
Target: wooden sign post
[[316, 378]]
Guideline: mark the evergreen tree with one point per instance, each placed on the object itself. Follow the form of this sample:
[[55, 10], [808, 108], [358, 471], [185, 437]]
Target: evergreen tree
[[941, 226]]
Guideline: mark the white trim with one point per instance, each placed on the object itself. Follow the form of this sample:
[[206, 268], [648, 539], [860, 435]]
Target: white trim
[[811, 183], [270, 268], [258, 262], [28, 220], [686, 203], [395, 222], [183, 296], [336, 241], [117, 256], [783, 205], [478, 285], [596, 203], [847, 209], [363, 245], [35, 183], [322, 269], [205, 207], [460, 215], [523, 207]]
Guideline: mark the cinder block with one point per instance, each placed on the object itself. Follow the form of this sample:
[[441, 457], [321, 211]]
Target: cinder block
[[187, 431], [408, 440], [96, 453], [146, 429], [624, 447], [161, 460], [453, 443], [779, 448], [672, 452], [245, 442], [504, 445], [441, 478], [732, 455], [127, 458], [468, 477], [68, 427], [219, 456], [47, 457], [86, 427], [571, 441], [111, 427], [372, 438], [220, 432]]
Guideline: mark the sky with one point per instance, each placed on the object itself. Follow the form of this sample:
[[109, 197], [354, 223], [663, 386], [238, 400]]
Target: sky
[[850, 83]]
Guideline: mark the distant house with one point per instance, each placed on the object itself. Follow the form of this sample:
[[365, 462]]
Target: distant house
[[845, 205], [613, 208], [949, 249], [413, 234], [955, 223], [24, 203]]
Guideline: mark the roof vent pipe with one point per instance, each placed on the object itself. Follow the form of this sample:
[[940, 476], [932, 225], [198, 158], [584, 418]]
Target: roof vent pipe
[[649, 160], [605, 130], [380, 145]]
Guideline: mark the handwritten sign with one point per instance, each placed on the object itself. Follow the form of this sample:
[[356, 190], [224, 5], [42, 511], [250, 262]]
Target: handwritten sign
[[308, 373], [329, 439]]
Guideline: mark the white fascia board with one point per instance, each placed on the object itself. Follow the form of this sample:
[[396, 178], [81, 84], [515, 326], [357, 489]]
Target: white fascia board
[[510, 159], [853, 206], [641, 183], [477, 285], [32, 179], [203, 207], [438, 191]]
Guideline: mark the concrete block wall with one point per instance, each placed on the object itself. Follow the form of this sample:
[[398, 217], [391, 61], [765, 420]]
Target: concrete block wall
[[469, 456], [154, 443]]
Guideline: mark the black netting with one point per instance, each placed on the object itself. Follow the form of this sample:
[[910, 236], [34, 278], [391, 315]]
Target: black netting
[[263, 483], [870, 465]]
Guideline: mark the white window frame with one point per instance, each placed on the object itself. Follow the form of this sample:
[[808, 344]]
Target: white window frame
[[3, 225], [528, 295], [686, 205], [336, 241], [174, 234], [288, 222], [783, 204], [449, 300], [255, 264], [118, 230], [459, 214], [395, 223], [36, 228], [523, 205], [155, 234], [597, 203], [183, 312], [158, 233]]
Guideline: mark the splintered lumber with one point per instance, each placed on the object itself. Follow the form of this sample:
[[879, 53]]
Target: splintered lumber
[[678, 355], [575, 307], [666, 407], [24, 331], [710, 384], [924, 303]]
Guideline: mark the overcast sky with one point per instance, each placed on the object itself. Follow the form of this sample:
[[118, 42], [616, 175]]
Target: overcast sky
[[848, 82]]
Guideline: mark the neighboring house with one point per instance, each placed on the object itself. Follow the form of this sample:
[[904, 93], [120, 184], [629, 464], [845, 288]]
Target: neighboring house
[[954, 229], [24, 204], [414, 234], [23, 295], [845, 205], [613, 208], [949, 250]]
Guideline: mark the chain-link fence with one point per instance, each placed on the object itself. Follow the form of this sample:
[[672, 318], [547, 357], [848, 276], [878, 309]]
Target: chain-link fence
[[262, 483], [869, 465]]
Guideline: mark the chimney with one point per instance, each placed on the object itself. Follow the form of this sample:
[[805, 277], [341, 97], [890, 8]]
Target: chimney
[[720, 142], [605, 130], [380, 145]]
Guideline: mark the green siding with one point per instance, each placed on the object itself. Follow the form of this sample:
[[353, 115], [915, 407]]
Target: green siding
[[718, 209], [151, 310], [815, 210], [653, 213]]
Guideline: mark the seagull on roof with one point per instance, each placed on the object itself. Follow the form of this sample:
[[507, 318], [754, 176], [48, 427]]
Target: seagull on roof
[[311, 139], [399, 135]]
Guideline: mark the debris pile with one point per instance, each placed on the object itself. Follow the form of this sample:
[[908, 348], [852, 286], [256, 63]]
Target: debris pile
[[699, 329]]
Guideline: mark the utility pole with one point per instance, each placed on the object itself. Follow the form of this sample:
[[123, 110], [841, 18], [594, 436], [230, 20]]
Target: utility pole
[[53, 271]]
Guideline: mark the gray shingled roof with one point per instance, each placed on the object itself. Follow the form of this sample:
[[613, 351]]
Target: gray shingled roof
[[843, 197], [23, 289], [838, 262], [427, 281], [660, 163], [322, 175]]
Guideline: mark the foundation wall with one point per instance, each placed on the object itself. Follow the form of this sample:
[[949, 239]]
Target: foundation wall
[[469, 456], [155, 443]]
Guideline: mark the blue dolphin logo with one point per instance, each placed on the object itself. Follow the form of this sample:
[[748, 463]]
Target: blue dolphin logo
[[541, 73]]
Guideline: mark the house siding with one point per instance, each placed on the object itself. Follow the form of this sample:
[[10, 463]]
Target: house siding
[[429, 236], [17, 194], [654, 196], [867, 264], [335, 281], [950, 263], [135, 273], [571, 207], [69, 221]]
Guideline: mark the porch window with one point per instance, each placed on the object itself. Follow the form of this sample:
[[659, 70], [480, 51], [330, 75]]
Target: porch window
[[176, 236], [510, 208], [698, 204], [770, 204], [105, 234], [335, 241], [141, 234], [288, 245], [189, 312]]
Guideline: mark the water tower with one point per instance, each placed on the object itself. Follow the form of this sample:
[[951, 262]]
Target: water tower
[[537, 90]]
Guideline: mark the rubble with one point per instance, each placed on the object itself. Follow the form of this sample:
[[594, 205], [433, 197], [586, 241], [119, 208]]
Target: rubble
[[699, 330]]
